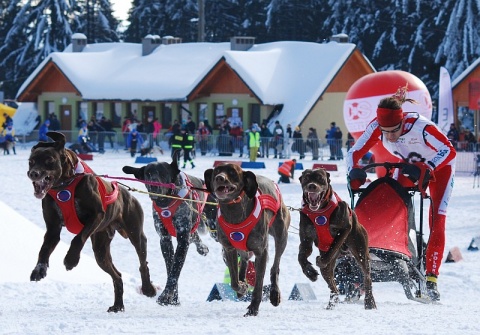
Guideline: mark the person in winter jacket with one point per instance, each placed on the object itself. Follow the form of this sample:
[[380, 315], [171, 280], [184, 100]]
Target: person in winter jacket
[[265, 137], [254, 142], [188, 144], [8, 135], [286, 171], [418, 141], [134, 141], [42, 132], [312, 142]]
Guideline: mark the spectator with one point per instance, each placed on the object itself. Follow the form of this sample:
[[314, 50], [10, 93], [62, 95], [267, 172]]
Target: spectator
[[191, 126], [209, 127], [134, 141], [187, 146], [84, 140], [330, 136], [312, 142], [289, 140], [470, 140], [254, 142], [157, 127], [203, 135], [107, 125], [176, 142], [453, 135], [224, 141], [149, 130], [286, 171], [350, 141], [278, 135], [125, 130], [236, 132], [338, 143], [8, 120], [298, 144], [265, 137], [42, 132], [8, 135], [54, 123]]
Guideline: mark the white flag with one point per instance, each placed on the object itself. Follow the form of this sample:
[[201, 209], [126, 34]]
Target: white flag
[[445, 101]]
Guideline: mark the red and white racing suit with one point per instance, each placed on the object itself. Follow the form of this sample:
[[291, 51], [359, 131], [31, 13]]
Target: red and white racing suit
[[421, 141]]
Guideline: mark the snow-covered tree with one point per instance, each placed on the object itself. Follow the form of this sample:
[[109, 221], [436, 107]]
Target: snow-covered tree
[[96, 20]]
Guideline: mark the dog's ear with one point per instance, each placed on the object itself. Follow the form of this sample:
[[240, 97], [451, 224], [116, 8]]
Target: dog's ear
[[328, 177], [58, 139], [207, 176], [137, 172], [250, 183]]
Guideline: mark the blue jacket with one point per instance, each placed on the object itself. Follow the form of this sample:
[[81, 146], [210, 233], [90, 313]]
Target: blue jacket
[[42, 133]]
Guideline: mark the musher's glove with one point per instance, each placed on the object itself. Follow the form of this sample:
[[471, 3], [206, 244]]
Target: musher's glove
[[419, 173], [357, 177]]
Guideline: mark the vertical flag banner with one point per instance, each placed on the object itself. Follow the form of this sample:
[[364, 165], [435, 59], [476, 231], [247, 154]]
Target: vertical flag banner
[[445, 101]]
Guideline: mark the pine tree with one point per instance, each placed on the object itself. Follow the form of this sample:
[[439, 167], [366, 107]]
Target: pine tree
[[145, 17]]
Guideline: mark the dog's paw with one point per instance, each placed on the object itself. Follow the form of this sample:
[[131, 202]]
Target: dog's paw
[[116, 308], [310, 272], [71, 260], [168, 299], [251, 311], [39, 272]]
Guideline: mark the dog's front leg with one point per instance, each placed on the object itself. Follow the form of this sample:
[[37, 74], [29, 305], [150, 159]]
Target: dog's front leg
[[307, 231], [169, 296], [72, 258], [202, 249], [231, 259], [260, 268], [328, 276], [50, 241]]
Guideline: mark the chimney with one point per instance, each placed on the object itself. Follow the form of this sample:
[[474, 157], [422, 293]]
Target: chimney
[[79, 41], [171, 40], [150, 43], [340, 38], [241, 43]]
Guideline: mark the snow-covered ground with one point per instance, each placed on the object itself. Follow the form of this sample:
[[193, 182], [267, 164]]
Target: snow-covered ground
[[76, 301]]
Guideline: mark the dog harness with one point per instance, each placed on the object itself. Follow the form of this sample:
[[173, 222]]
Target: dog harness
[[65, 197], [167, 213], [238, 233], [321, 221]]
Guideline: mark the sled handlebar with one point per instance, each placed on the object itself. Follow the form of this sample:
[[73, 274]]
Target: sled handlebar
[[389, 169]]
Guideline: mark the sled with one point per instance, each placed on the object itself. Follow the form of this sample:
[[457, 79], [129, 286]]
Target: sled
[[386, 209]]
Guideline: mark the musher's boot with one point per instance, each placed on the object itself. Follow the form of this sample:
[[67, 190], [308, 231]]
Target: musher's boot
[[432, 290]]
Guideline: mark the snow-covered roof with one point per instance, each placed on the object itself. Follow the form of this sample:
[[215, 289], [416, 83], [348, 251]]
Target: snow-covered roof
[[465, 73], [294, 74]]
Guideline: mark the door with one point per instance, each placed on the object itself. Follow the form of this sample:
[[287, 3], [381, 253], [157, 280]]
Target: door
[[66, 117]]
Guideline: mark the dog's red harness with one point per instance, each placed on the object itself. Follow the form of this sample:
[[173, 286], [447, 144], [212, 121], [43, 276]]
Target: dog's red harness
[[65, 198], [238, 233], [321, 221], [167, 213]]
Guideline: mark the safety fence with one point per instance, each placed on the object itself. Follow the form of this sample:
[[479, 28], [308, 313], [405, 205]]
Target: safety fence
[[226, 145]]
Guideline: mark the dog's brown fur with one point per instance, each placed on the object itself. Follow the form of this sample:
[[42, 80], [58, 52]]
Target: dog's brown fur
[[235, 191], [53, 166], [345, 229]]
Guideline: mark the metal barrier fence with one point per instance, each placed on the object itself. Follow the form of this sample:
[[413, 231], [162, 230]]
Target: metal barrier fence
[[226, 145]]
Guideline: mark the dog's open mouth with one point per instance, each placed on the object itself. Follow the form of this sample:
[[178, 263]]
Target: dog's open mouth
[[314, 200], [42, 186], [224, 191]]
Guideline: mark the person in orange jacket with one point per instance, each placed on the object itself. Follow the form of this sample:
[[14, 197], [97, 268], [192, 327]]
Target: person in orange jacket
[[286, 171]]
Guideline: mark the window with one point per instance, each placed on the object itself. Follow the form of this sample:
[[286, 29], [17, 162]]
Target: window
[[98, 110], [219, 114], [202, 109], [116, 114]]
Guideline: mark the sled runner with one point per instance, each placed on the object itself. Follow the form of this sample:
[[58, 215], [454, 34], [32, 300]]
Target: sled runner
[[385, 208]]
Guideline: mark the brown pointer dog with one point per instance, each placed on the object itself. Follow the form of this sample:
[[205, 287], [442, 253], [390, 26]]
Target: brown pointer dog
[[93, 207], [174, 215], [328, 222], [250, 208]]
